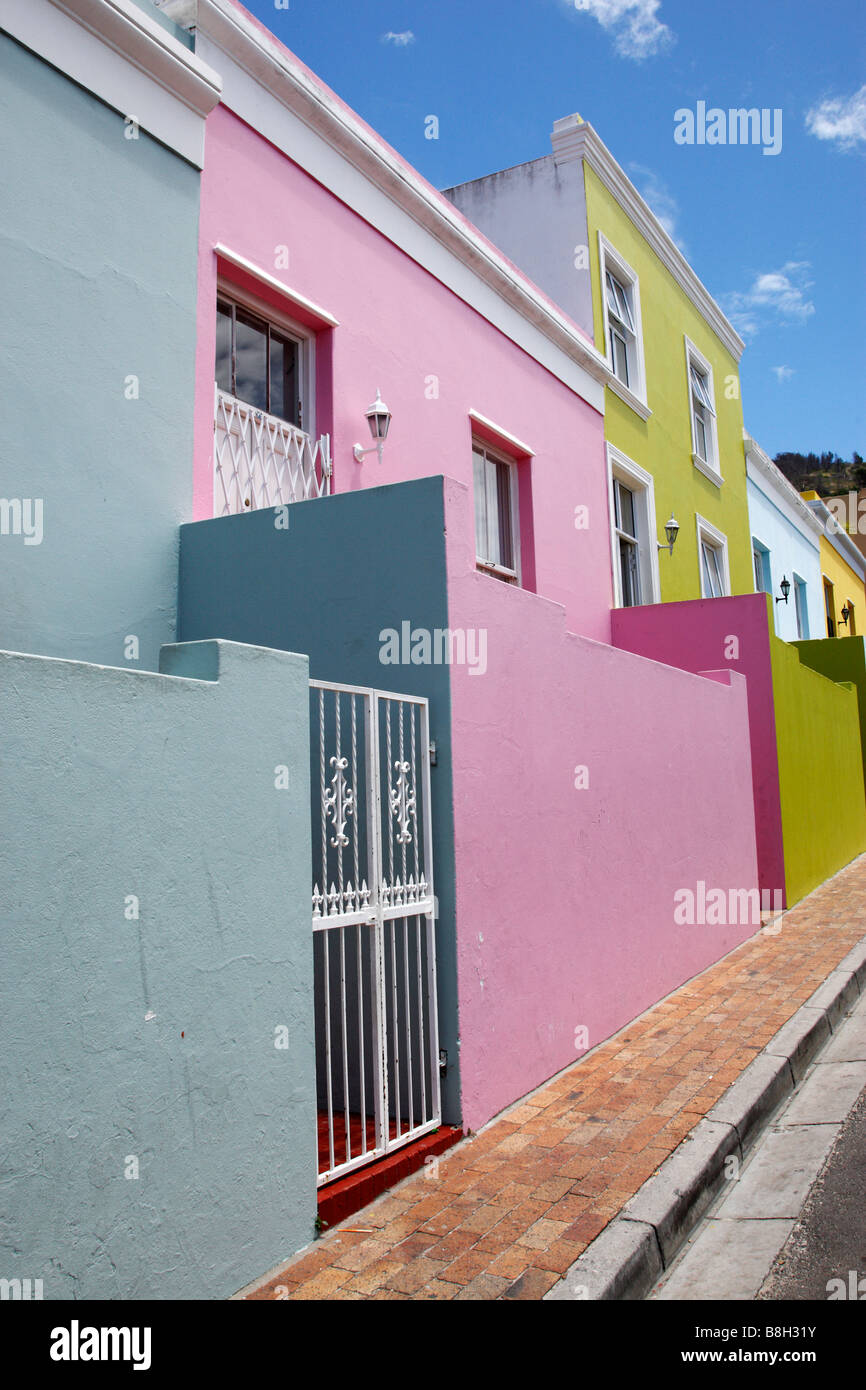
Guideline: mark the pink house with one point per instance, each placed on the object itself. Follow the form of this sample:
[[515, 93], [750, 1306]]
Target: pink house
[[583, 785]]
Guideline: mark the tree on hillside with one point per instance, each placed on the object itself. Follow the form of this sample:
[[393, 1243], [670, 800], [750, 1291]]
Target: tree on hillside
[[826, 473]]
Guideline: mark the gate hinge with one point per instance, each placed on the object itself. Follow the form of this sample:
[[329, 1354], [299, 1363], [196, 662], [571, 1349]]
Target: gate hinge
[[432, 753]]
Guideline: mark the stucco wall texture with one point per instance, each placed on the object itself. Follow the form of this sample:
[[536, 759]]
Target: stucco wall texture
[[149, 1039], [792, 555], [820, 771], [347, 569], [663, 444], [804, 732], [99, 236], [840, 659], [564, 897], [566, 892], [433, 357]]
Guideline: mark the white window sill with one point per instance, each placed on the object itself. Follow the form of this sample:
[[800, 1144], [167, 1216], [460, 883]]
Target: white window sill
[[707, 469], [625, 394]]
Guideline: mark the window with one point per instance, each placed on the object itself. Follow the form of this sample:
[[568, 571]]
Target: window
[[801, 607], [829, 608], [622, 326], [496, 541], [713, 560], [852, 630], [761, 559], [633, 531], [703, 414], [625, 526], [259, 363]]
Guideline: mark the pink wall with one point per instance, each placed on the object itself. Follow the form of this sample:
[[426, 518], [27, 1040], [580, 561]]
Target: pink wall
[[565, 897], [398, 327], [732, 634]]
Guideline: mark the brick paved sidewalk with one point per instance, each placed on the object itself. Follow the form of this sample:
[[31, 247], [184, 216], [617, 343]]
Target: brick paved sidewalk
[[515, 1205]]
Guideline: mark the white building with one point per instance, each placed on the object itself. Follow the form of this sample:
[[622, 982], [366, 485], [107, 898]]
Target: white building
[[786, 544]]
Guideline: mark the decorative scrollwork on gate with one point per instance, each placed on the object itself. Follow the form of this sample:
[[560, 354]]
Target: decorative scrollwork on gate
[[339, 801], [401, 799]]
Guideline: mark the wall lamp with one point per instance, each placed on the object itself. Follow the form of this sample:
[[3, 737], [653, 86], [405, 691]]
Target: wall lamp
[[672, 529], [379, 419], [785, 586], [845, 614]]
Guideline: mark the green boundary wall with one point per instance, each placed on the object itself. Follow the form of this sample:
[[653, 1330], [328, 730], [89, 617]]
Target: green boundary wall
[[821, 788]]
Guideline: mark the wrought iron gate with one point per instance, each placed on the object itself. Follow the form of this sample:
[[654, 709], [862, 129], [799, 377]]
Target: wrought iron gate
[[377, 1047]]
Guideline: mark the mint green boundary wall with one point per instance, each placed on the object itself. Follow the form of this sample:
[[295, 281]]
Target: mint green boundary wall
[[154, 1037], [98, 272], [840, 659], [820, 771]]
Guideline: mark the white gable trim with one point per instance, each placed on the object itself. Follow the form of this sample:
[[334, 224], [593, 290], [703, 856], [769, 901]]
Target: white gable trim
[[272, 91], [127, 59], [573, 139]]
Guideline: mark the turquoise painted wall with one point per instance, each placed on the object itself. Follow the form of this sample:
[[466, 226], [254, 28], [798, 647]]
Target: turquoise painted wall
[[346, 568], [98, 284], [154, 1037]]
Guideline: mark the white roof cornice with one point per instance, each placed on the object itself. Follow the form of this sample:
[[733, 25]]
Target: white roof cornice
[[574, 139], [761, 464], [285, 78], [125, 57], [839, 538]]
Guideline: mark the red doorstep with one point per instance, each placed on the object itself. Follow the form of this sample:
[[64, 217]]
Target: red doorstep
[[345, 1196]]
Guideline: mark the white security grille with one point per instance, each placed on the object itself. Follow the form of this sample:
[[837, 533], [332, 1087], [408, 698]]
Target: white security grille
[[261, 461], [377, 1048]]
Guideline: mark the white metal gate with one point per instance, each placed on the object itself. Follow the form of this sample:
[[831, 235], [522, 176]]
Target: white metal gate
[[377, 1046]]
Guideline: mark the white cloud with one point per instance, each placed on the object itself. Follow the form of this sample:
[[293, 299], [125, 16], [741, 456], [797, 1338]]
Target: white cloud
[[399, 40], [662, 202], [783, 373], [634, 25], [842, 119], [777, 295]]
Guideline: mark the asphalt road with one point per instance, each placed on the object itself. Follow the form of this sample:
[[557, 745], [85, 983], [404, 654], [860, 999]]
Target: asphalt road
[[829, 1240], [792, 1218]]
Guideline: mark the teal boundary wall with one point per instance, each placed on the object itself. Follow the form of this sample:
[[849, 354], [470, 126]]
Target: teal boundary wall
[[98, 274], [335, 573], [155, 924]]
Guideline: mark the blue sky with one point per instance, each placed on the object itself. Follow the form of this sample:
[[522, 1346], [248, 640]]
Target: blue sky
[[777, 239]]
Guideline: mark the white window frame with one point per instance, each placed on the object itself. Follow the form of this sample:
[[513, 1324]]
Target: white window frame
[[640, 483], [718, 541], [827, 583], [801, 587], [284, 323], [758, 545], [710, 467], [482, 563], [634, 395]]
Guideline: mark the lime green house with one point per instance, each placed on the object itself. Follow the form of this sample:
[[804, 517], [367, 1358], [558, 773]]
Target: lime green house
[[575, 223]]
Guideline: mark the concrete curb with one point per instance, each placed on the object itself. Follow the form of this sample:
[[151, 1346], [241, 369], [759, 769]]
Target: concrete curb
[[626, 1259]]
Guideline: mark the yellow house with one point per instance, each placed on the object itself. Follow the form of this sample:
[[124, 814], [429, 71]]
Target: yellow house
[[673, 413], [843, 574]]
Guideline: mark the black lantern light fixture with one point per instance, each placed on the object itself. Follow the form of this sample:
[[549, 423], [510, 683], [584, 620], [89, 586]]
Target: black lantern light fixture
[[845, 614], [378, 417], [672, 528], [785, 586]]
